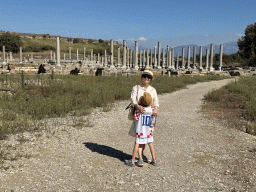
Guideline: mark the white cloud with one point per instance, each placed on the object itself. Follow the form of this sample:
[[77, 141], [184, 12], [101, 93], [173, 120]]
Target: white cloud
[[142, 39], [239, 35], [120, 41], [132, 39]]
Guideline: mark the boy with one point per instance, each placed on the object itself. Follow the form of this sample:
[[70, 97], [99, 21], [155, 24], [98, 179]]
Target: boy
[[144, 131]]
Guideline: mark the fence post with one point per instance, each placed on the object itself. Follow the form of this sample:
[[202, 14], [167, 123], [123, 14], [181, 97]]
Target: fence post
[[22, 79], [6, 81], [52, 76]]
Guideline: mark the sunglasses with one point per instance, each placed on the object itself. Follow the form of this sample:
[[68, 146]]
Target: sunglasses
[[146, 76]]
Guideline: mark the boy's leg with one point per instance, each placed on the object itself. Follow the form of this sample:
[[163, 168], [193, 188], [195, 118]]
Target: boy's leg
[[152, 150], [140, 150], [143, 149], [135, 151]]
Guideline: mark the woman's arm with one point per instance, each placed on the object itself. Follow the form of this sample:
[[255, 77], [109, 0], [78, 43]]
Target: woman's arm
[[134, 96], [155, 102]]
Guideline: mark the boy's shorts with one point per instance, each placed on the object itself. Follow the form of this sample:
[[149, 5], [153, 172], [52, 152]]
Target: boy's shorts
[[144, 140]]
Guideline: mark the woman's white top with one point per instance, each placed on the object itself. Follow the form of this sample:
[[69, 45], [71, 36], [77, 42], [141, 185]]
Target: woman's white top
[[151, 90]]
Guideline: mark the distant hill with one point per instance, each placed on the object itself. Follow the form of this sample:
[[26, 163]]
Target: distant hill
[[228, 48]]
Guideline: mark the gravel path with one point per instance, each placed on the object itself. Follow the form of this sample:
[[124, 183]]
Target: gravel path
[[194, 153]]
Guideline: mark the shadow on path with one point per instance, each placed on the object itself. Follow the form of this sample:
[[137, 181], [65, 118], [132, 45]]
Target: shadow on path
[[109, 151]]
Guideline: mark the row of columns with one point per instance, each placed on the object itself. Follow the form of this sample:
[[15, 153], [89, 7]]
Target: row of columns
[[145, 62], [131, 57]]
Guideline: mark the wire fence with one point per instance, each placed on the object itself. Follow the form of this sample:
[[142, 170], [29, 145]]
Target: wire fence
[[22, 80]]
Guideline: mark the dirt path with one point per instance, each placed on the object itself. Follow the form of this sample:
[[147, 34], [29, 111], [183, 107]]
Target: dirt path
[[194, 153]]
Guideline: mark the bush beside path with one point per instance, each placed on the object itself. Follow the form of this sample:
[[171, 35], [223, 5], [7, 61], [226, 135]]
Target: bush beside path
[[194, 153]]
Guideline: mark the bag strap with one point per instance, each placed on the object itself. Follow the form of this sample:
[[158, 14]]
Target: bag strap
[[137, 93]]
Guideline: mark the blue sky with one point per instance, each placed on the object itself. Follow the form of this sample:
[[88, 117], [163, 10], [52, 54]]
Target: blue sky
[[173, 23]]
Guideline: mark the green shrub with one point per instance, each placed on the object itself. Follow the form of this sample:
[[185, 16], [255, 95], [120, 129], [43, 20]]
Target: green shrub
[[11, 42]]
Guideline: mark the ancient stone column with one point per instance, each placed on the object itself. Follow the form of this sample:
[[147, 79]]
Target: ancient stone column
[[94, 57], [32, 59], [133, 55], [159, 54], [124, 54], [194, 58], [155, 64], [147, 60], [167, 56], [98, 60], [188, 58], [54, 57], [77, 54], [118, 57], [136, 66], [20, 54], [201, 58], [131, 64], [11, 59], [178, 60], [144, 60], [150, 65], [183, 59], [221, 53], [69, 53], [163, 66], [64, 57], [128, 58], [207, 60], [84, 52], [111, 54], [91, 54], [172, 59], [58, 51], [105, 58], [4, 62], [7, 60], [51, 55], [211, 61], [141, 66]]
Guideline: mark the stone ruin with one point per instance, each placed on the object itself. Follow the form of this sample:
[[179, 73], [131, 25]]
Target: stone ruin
[[132, 62]]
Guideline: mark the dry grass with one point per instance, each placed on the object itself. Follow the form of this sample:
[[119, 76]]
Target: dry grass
[[234, 104]]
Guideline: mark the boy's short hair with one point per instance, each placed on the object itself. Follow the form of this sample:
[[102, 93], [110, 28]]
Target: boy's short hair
[[146, 99]]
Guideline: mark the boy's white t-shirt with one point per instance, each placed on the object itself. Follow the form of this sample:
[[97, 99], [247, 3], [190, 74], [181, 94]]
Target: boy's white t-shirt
[[143, 129]]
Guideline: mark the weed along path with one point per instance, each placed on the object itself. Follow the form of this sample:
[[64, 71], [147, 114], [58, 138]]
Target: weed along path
[[193, 152]]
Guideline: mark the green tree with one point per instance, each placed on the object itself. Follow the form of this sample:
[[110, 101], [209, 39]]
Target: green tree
[[69, 39], [247, 45], [11, 42], [90, 40], [76, 41]]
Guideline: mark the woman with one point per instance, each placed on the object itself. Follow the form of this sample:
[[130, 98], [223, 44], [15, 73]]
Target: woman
[[137, 92]]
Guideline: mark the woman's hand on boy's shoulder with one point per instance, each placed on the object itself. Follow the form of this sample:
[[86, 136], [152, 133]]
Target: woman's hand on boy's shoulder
[[154, 112], [140, 108]]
